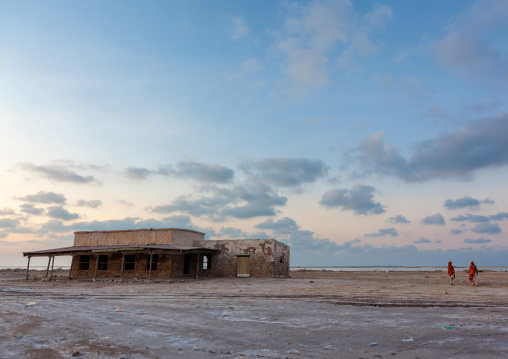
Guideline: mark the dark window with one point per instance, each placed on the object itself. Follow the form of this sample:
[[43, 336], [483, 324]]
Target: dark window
[[84, 262], [205, 262], [155, 258], [186, 264], [103, 262], [130, 261]]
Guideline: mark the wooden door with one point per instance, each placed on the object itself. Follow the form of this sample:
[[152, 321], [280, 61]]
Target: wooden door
[[243, 266]]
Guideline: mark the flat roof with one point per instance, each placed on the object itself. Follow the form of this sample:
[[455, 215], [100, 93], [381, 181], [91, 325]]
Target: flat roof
[[142, 229], [119, 248]]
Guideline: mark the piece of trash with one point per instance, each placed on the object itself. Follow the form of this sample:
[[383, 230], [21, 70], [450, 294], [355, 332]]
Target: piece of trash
[[447, 326], [31, 303], [203, 296], [427, 276], [118, 310], [76, 354], [372, 344], [408, 340], [122, 315]]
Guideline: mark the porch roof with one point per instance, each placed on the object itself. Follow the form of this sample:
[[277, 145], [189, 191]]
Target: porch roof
[[136, 248]]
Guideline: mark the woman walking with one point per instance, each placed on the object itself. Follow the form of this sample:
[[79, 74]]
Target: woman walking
[[473, 274], [451, 272]]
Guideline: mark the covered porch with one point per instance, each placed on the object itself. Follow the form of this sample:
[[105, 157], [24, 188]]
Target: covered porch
[[131, 261]]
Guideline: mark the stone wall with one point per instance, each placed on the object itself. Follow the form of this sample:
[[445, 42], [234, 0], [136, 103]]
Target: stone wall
[[138, 236], [265, 257]]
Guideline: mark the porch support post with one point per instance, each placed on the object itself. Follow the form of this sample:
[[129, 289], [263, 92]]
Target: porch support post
[[72, 265], [52, 266], [150, 270], [96, 265], [47, 268], [27, 268], [197, 265], [123, 263]]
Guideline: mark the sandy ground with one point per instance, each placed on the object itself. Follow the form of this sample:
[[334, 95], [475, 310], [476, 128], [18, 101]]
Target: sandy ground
[[311, 315]]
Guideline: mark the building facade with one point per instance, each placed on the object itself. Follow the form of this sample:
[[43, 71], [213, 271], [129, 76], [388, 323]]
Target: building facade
[[168, 253]]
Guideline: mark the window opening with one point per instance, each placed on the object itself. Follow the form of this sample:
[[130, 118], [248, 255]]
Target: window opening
[[205, 262], [103, 262], [155, 258], [84, 262], [130, 261], [186, 264]]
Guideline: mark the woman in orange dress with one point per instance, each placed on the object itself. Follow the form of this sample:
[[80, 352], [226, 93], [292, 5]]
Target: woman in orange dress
[[473, 274], [451, 272]]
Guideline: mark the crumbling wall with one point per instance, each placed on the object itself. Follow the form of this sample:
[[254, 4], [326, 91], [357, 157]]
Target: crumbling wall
[[260, 252], [280, 260], [138, 236]]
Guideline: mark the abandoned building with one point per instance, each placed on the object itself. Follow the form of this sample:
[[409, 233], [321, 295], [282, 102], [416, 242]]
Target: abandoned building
[[167, 253]]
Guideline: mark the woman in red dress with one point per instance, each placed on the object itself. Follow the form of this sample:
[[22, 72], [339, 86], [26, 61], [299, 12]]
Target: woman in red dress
[[473, 274], [451, 272]]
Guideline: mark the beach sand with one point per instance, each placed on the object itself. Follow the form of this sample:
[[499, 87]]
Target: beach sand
[[311, 315]]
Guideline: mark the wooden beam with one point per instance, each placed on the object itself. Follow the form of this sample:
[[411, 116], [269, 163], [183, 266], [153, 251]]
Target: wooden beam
[[96, 265], [72, 265], [52, 266], [123, 264], [27, 267], [47, 268], [197, 266], [150, 270]]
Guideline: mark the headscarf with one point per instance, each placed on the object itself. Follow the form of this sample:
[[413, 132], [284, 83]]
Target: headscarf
[[472, 270], [451, 270]]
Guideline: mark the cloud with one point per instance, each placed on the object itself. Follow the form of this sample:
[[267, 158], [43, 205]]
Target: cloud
[[358, 199], [479, 145], [422, 240], [319, 31], [241, 201], [236, 233], [434, 219], [31, 209], [137, 173], [464, 202], [57, 173], [6, 211], [95, 203], [470, 218], [199, 171], [44, 197], [476, 241], [287, 172], [288, 231], [456, 231], [9, 223], [490, 228], [469, 47], [500, 216], [240, 28], [61, 213], [398, 219], [383, 232]]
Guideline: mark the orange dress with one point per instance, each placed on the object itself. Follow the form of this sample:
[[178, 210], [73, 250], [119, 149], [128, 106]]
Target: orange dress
[[472, 271], [451, 270]]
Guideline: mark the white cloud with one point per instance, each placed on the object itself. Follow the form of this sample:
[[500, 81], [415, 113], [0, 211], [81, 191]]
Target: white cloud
[[240, 28], [319, 31]]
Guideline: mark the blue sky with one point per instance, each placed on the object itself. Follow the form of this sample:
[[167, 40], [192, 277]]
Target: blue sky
[[361, 133]]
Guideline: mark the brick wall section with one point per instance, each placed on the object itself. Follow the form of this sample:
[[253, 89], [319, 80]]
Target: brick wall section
[[165, 265], [265, 257], [138, 236]]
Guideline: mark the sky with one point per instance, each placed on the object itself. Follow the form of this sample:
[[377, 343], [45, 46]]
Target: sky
[[360, 133]]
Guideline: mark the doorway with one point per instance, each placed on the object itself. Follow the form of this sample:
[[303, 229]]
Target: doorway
[[243, 266]]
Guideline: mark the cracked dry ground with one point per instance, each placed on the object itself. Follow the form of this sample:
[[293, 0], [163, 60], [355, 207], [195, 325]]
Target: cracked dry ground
[[311, 315]]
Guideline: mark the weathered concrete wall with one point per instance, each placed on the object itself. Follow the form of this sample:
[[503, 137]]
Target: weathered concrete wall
[[265, 257], [280, 260], [138, 236]]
